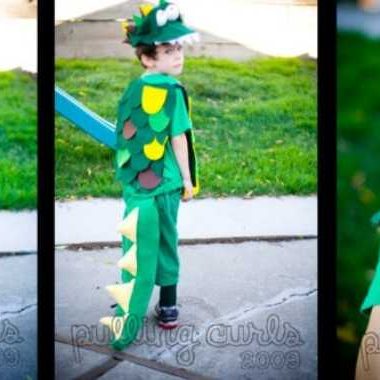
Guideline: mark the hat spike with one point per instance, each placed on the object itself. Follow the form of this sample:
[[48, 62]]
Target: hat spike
[[145, 9], [138, 20]]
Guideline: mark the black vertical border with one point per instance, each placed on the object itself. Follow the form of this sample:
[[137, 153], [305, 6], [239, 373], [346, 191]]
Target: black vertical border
[[45, 175], [327, 247]]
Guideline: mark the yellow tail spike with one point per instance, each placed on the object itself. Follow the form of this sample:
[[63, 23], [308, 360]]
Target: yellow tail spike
[[145, 9], [129, 260], [128, 227], [122, 293], [115, 324]]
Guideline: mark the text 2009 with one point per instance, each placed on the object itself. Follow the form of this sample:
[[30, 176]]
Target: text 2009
[[265, 359]]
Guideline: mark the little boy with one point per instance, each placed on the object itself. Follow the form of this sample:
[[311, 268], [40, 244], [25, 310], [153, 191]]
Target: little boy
[[156, 165]]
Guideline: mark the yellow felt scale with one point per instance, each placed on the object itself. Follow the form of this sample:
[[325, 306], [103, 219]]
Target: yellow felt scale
[[154, 150], [153, 99], [129, 260]]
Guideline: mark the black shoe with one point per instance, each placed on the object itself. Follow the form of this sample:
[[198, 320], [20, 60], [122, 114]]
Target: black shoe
[[167, 316]]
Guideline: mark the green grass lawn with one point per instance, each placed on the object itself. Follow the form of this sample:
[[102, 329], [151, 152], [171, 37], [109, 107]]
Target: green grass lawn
[[18, 136], [254, 124], [358, 186]]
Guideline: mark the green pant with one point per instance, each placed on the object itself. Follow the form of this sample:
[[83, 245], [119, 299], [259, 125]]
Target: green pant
[[150, 236], [162, 251]]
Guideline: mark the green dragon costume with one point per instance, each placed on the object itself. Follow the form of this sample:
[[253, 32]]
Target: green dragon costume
[[373, 295], [145, 112], [153, 108]]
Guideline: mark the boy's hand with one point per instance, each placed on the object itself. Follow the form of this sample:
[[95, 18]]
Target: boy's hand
[[188, 190]]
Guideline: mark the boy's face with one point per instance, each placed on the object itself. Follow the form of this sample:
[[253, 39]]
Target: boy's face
[[169, 59]]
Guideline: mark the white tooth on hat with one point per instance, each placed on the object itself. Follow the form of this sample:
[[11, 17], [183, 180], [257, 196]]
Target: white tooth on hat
[[161, 18], [188, 38], [172, 12]]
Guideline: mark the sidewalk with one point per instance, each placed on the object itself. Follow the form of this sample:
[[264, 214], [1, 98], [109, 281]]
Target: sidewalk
[[256, 284], [246, 311], [18, 317], [96, 220], [203, 219], [20, 229]]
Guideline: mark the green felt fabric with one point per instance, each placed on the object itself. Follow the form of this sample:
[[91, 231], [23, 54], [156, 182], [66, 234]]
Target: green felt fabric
[[157, 237], [181, 121], [157, 257], [172, 120], [159, 121], [148, 31]]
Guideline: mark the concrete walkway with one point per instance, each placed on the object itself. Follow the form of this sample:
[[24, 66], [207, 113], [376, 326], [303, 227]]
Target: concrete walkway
[[252, 285], [19, 231], [246, 311], [18, 317], [96, 220], [204, 219]]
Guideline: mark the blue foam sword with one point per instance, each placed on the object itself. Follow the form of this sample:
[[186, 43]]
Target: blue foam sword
[[87, 120]]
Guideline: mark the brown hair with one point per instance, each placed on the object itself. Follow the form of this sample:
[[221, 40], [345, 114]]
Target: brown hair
[[148, 50]]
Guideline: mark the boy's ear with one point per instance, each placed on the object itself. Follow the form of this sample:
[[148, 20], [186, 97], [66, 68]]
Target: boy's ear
[[147, 61]]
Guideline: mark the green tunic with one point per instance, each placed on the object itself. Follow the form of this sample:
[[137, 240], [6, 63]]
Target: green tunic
[[152, 131]]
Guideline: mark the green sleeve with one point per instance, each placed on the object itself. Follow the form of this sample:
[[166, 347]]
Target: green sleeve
[[180, 122], [373, 295]]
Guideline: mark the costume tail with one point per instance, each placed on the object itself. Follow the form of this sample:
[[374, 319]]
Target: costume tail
[[138, 264]]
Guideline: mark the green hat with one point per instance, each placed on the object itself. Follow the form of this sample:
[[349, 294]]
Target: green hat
[[157, 25]]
